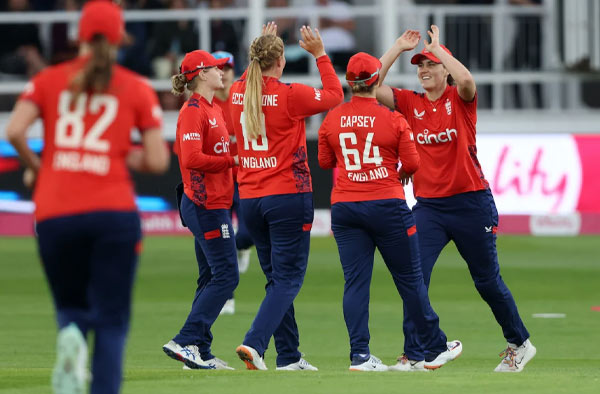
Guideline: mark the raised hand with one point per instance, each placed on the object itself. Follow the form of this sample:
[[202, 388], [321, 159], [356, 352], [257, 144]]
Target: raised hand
[[408, 40], [269, 29], [311, 42], [434, 34]]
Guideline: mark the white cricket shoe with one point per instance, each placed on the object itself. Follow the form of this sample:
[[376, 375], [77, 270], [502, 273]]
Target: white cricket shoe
[[228, 308], [243, 257], [406, 365], [372, 364], [454, 350], [514, 358], [189, 355], [215, 363], [251, 357], [70, 374], [300, 365]]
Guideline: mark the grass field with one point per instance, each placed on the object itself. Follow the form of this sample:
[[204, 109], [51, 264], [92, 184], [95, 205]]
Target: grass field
[[546, 275]]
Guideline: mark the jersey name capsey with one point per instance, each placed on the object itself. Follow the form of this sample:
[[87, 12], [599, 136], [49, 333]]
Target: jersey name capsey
[[444, 134], [365, 141], [203, 149], [86, 140]]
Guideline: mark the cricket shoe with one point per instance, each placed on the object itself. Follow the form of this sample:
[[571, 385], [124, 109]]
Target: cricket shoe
[[189, 355], [215, 363], [300, 365], [243, 258], [367, 363], [251, 357], [228, 308], [514, 358], [70, 373], [406, 365], [454, 349]]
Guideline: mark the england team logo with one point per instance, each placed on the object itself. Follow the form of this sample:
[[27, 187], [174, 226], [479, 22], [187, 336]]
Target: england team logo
[[225, 230]]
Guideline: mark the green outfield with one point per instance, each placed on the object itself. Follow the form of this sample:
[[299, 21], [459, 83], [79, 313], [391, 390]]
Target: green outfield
[[546, 275]]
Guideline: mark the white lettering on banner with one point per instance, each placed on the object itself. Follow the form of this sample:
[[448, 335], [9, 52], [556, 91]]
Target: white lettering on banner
[[78, 162], [259, 162], [374, 174], [532, 174], [357, 121], [567, 224], [267, 100], [429, 137]]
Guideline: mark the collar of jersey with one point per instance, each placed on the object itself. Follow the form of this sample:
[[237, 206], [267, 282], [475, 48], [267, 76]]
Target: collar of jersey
[[359, 98], [201, 98]]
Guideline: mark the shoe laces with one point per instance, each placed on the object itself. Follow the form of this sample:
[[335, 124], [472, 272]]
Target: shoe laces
[[508, 356], [375, 359]]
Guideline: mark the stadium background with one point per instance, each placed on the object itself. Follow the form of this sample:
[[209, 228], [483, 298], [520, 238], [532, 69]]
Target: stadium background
[[537, 66]]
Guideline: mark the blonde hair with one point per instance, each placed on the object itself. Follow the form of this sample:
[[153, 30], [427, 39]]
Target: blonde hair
[[179, 83], [96, 74], [263, 53]]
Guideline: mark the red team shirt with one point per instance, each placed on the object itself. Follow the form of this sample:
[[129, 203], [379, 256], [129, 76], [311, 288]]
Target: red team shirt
[[444, 134], [202, 146], [276, 163], [83, 165], [365, 140]]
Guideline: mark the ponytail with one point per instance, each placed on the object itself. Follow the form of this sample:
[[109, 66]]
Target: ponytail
[[252, 100], [96, 74], [179, 83], [264, 52]]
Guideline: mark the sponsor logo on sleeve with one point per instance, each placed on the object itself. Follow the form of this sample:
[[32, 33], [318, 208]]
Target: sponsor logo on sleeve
[[191, 137], [317, 94]]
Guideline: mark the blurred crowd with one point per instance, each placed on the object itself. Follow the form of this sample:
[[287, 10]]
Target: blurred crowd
[[155, 49]]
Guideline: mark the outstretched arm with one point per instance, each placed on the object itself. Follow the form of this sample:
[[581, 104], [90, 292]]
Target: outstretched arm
[[462, 76], [406, 42]]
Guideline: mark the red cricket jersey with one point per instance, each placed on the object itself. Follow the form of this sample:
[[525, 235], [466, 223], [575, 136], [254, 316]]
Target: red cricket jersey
[[276, 162], [202, 147], [444, 134], [83, 165], [364, 140]]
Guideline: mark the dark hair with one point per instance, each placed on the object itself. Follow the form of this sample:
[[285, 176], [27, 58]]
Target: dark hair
[[96, 74], [450, 80]]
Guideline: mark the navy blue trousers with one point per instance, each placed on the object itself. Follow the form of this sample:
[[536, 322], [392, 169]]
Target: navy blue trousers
[[90, 262], [470, 220], [243, 240], [217, 272], [280, 227], [388, 225]]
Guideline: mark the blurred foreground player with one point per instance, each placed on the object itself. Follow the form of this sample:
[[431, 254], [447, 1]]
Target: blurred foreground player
[[454, 201], [365, 141], [88, 228]]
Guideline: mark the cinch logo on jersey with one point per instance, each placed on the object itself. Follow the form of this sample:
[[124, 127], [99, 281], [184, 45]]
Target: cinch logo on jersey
[[221, 147], [191, 136], [77, 162], [357, 121], [259, 162], [268, 100], [427, 137], [377, 173]]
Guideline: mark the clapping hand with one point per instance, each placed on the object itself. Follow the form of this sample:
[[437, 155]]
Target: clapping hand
[[434, 34], [269, 29], [408, 40]]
